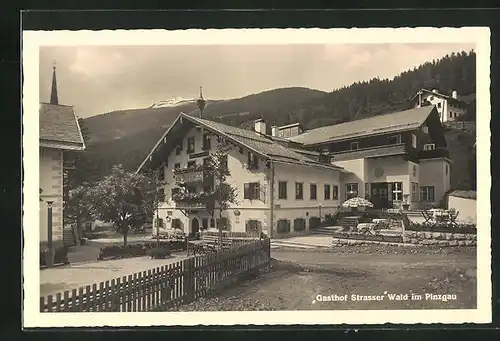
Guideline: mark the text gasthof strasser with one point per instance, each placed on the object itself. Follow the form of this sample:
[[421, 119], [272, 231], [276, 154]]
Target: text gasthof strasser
[[386, 296]]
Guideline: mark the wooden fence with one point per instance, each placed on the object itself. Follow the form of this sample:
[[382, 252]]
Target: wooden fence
[[164, 287]]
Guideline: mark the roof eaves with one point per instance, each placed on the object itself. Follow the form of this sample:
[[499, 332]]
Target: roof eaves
[[79, 128]]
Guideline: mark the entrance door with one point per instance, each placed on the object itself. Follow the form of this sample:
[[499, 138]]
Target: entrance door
[[380, 194], [195, 227]]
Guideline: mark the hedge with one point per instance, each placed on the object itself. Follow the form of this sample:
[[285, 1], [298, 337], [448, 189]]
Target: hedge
[[140, 249], [60, 256], [443, 228]]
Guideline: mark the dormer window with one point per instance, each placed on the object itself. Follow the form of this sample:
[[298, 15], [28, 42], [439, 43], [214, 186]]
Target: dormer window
[[395, 139], [354, 145]]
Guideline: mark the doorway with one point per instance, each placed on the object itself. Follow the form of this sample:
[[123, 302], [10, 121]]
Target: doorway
[[195, 227], [380, 194]]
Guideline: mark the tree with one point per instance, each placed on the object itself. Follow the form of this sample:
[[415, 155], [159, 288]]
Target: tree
[[155, 194], [122, 198], [224, 194], [77, 207]]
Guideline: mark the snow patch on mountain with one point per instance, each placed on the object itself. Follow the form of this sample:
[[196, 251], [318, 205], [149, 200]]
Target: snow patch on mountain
[[172, 102]]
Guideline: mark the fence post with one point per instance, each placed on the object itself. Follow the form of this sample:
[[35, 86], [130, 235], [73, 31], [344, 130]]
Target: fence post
[[189, 288]]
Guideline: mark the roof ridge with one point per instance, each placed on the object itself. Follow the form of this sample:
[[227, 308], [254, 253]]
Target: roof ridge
[[58, 105]]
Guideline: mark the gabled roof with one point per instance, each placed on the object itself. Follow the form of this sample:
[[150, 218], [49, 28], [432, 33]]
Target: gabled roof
[[380, 124], [59, 127], [259, 144], [447, 97]]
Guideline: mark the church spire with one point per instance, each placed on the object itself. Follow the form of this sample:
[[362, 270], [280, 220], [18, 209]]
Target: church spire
[[201, 103], [53, 94]]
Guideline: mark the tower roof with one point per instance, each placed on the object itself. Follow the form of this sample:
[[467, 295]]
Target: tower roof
[[53, 94]]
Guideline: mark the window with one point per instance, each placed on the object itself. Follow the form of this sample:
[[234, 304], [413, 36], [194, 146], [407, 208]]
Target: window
[[251, 191], [446, 169], [299, 191], [431, 98], [206, 162], [397, 191], [414, 140], [335, 192], [178, 149], [223, 223], [427, 193], [429, 146], [312, 191], [439, 105], [354, 145], [253, 162], [212, 222], [414, 191], [207, 142], [425, 129], [414, 171], [395, 139], [161, 194], [191, 164], [204, 224], [190, 145], [451, 114], [241, 150], [253, 225], [282, 189], [177, 166], [299, 224], [327, 192], [351, 190], [161, 173], [283, 226]]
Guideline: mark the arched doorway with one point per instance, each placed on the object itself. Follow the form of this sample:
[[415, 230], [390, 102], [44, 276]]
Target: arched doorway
[[195, 227]]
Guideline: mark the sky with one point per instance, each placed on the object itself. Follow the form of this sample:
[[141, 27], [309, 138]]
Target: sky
[[100, 79]]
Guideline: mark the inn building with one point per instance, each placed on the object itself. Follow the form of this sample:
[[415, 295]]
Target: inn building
[[290, 179]]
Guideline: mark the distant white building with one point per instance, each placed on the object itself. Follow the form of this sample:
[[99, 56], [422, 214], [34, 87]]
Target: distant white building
[[449, 107]]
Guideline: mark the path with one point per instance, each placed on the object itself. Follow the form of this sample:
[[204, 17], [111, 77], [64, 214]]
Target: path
[[70, 277]]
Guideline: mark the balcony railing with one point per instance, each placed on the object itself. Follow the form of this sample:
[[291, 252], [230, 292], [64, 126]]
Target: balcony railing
[[189, 174], [434, 153], [194, 200], [394, 149]]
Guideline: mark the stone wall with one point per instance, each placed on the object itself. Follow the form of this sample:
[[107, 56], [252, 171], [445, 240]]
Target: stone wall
[[440, 238]]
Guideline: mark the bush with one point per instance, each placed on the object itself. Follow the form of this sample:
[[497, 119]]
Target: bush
[[98, 235], [60, 256], [139, 250], [158, 252], [444, 227]]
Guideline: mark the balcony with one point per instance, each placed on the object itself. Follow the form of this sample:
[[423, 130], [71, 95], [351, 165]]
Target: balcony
[[378, 151], [192, 200], [189, 174], [434, 153]]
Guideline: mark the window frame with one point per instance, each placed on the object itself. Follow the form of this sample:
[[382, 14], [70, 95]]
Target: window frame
[[327, 192], [191, 147], [349, 193], [398, 139], [425, 193], [299, 185], [311, 186], [396, 191], [280, 196], [251, 190]]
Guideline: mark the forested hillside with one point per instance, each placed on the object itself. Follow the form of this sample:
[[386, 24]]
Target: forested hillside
[[127, 136]]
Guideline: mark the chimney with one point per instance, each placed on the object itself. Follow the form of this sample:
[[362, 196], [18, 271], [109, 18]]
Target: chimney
[[274, 131], [454, 94], [435, 91], [260, 126]]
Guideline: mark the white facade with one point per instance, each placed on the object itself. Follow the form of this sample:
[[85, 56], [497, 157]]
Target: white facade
[[245, 210], [445, 106], [465, 207]]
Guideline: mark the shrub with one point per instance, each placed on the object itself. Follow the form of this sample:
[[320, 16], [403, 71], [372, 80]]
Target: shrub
[[60, 256], [158, 252], [139, 250], [445, 227], [98, 235]]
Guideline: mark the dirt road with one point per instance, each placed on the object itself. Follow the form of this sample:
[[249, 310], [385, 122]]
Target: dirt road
[[326, 280]]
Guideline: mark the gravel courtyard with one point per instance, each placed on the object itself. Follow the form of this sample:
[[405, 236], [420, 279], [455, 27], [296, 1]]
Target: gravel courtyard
[[298, 277]]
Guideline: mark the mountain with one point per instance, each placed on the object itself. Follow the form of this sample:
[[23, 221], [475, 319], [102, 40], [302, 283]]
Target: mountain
[[127, 136]]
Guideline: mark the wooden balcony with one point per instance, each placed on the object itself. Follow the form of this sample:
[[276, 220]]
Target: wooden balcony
[[378, 151], [434, 153], [189, 174]]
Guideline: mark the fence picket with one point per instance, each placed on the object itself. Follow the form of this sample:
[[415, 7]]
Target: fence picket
[[164, 287]]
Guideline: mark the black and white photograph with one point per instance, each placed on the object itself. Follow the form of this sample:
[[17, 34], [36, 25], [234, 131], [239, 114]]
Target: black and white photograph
[[225, 177]]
